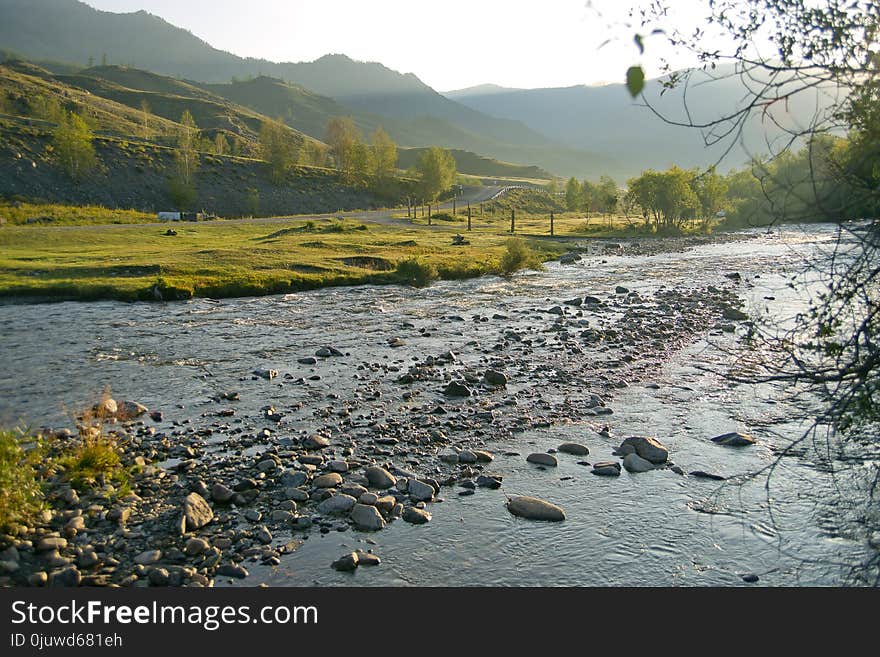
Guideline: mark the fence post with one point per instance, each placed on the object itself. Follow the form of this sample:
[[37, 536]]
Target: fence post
[[512, 220], [469, 216], [551, 223], [429, 214]]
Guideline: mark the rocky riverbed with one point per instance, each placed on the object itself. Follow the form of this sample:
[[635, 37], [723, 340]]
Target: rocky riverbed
[[277, 424]]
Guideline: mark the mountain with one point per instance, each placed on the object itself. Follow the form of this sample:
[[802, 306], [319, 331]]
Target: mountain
[[412, 112], [477, 165], [607, 120]]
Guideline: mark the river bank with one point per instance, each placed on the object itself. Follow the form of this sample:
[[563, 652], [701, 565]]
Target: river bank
[[275, 409]]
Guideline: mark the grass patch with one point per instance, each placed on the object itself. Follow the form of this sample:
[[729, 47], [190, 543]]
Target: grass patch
[[519, 255], [416, 272], [23, 213], [94, 463], [21, 496]]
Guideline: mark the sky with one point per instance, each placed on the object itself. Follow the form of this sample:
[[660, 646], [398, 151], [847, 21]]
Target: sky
[[449, 45]]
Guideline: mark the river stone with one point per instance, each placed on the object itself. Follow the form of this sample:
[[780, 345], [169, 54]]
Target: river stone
[[457, 389], [606, 469], [574, 448], [416, 516], [467, 456], [293, 478], [266, 374], [648, 448], [147, 557], [368, 498], [337, 466], [51, 543], [533, 508], [129, 410], [346, 563], [495, 378], [308, 360], [733, 314], [337, 504], [329, 480], [448, 455], [221, 493], [367, 517], [542, 458], [734, 439], [232, 570], [379, 477], [489, 481], [483, 456], [387, 503], [699, 474], [195, 546], [316, 441], [106, 408], [635, 463], [196, 512], [420, 491], [67, 577]]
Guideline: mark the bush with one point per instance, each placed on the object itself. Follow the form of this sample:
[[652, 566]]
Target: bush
[[95, 461], [519, 256], [416, 273], [20, 494]]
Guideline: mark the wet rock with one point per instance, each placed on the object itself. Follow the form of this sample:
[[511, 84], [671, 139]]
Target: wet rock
[[196, 512], [575, 449], [621, 290], [492, 482], [457, 389], [159, 577], [635, 463], [734, 439], [750, 578], [346, 563], [379, 477], [415, 516], [39, 578], [266, 374], [448, 455], [293, 478], [51, 543], [329, 480], [105, 408], [577, 301], [542, 458], [495, 378], [263, 535], [533, 508], [570, 258], [367, 517], [648, 448], [420, 491], [308, 360], [483, 456], [368, 498], [367, 559], [606, 469], [337, 466], [337, 504], [699, 474], [467, 456]]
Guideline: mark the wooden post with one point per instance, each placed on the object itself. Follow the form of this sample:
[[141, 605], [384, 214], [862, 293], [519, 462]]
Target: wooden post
[[512, 220], [453, 207], [469, 216], [481, 209], [429, 214], [551, 223]]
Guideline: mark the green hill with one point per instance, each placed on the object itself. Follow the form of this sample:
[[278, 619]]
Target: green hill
[[477, 165]]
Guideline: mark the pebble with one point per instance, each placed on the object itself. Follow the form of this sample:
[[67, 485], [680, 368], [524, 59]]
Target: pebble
[[329, 480], [734, 439], [419, 490], [606, 469], [416, 516], [367, 517], [347, 562], [542, 458], [635, 463], [576, 449], [379, 477]]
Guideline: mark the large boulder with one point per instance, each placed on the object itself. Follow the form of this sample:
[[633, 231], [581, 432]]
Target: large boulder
[[649, 449], [534, 509], [129, 410]]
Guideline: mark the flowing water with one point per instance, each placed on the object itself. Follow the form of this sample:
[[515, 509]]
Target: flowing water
[[656, 528]]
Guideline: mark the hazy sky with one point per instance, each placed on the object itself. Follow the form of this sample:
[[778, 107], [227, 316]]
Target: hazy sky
[[449, 44]]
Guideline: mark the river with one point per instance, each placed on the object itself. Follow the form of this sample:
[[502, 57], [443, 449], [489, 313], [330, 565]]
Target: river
[[656, 529]]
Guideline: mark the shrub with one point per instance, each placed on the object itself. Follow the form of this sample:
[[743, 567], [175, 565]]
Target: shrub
[[20, 494], [416, 273], [94, 461], [518, 255]]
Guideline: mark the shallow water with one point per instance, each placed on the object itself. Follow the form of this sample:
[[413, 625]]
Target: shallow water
[[646, 529]]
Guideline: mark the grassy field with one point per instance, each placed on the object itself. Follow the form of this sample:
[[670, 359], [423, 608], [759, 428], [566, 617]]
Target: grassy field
[[53, 213], [232, 259]]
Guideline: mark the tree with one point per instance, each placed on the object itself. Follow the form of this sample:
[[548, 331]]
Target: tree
[[384, 158], [73, 143], [145, 119], [606, 194], [221, 144], [277, 148], [436, 172], [182, 185], [343, 137], [572, 194], [711, 191]]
